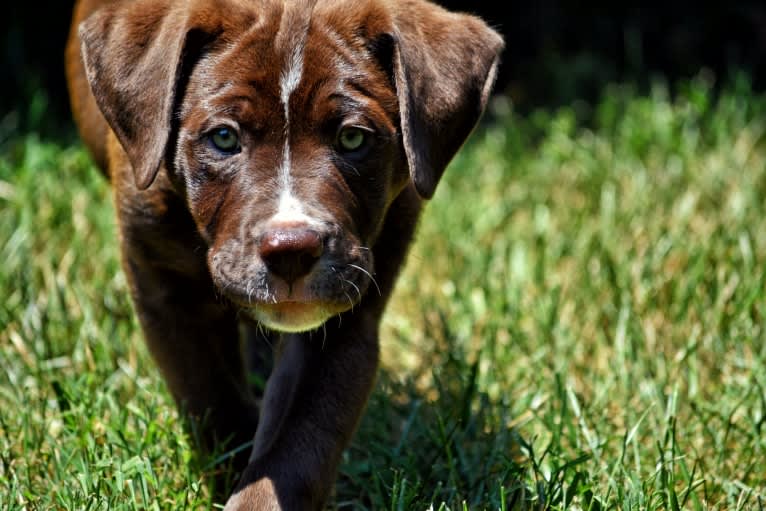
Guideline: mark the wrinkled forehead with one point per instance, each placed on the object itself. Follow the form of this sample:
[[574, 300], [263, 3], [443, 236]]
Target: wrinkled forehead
[[292, 54]]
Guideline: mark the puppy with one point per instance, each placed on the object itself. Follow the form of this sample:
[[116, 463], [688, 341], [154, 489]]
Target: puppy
[[269, 159]]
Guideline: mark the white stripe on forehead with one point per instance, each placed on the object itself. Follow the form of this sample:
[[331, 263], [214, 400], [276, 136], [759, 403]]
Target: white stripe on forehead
[[290, 42], [292, 72]]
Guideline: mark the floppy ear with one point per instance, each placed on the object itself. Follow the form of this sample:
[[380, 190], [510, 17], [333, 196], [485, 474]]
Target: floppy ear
[[444, 68], [132, 52]]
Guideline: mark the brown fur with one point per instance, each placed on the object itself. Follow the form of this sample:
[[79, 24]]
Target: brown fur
[[198, 229]]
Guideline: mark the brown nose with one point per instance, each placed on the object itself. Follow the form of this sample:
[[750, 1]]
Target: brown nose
[[290, 253]]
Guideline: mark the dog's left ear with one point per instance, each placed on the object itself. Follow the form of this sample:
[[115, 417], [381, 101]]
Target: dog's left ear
[[444, 68], [135, 55]]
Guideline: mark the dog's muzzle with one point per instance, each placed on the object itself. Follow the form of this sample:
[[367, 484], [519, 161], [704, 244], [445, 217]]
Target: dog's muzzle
[[292, 278]]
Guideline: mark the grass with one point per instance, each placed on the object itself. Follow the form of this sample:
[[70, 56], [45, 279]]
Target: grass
[[580, 326]]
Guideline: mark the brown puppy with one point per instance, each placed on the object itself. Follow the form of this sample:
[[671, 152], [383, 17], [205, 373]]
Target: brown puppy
[[269, 159]]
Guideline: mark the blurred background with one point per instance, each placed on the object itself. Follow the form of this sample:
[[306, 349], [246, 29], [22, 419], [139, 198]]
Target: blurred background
[[558, 52]]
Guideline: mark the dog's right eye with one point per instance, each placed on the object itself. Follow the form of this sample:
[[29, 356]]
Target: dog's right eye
[[225, 139], [351, 139]]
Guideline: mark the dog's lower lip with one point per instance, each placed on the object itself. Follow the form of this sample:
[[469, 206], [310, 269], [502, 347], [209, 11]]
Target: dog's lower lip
[[287, 305], [293, 316], [277, 305]]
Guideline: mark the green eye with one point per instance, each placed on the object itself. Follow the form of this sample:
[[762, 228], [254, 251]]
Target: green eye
[[351, 139], [225, 139]]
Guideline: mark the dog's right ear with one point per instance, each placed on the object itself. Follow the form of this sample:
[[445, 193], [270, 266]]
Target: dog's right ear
[[133, 53], [444, 66]]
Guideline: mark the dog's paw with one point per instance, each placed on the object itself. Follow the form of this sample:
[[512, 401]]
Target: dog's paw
[[257, 496], [264, 494]]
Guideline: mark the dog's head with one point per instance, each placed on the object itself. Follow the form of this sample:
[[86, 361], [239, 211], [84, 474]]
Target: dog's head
[[291, 127]]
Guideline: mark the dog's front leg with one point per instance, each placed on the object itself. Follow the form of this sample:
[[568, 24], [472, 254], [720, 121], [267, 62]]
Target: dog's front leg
[[192, 334], [195, 342], [311, 408]]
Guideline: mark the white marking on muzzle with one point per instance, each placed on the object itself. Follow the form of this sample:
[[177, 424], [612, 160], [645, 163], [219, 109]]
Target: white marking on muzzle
[[290, 210]]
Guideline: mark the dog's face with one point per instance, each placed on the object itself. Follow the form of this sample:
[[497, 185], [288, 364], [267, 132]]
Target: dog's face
[[290, 128], [288, 151]]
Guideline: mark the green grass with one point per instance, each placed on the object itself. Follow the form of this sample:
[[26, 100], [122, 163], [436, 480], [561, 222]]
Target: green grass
[[580, 326]]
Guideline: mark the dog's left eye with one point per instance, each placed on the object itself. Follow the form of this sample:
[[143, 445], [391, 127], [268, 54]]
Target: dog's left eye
[[225, 139], [351, 138]]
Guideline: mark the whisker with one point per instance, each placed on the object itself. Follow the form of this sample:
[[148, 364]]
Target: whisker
[[270, 295], [324, 335], [355, 287], [350, 301], [265, 336], [354, 169], [369, 275]]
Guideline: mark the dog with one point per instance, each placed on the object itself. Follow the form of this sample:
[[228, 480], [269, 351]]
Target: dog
[[269, 160]]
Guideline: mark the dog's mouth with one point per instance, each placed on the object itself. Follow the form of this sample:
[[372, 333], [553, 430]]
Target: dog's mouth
[[331, 288], [290, 316]]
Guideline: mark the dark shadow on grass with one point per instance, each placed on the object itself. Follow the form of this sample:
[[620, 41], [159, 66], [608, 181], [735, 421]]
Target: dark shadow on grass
[[447, 443], [452, 443]]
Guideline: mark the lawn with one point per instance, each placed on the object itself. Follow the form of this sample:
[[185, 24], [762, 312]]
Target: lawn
[[580, 326]]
